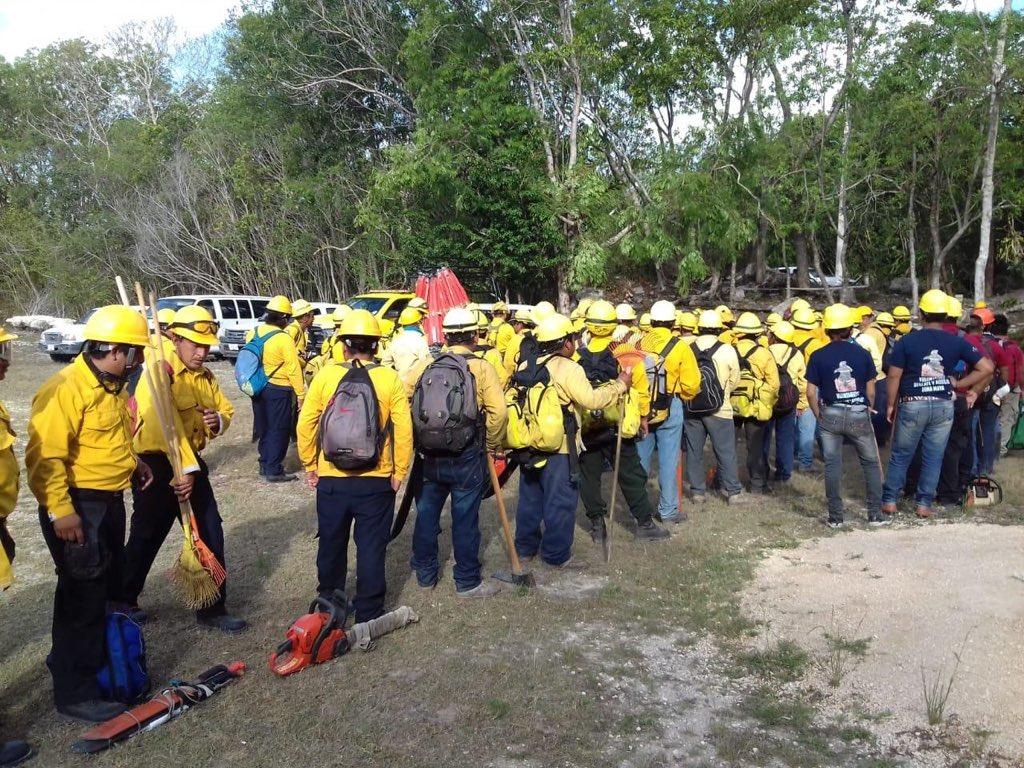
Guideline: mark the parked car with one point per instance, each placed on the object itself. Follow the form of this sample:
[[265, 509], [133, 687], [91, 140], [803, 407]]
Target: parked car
[[63, 342], [816, 279], [234, 314]]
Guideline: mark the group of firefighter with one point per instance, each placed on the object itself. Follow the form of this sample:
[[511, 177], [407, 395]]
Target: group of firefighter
[[623, 387]]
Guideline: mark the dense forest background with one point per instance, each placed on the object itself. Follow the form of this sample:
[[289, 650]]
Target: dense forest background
[[321, 147]]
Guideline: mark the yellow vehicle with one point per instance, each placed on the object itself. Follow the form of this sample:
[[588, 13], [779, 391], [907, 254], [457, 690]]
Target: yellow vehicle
[[386, 306]]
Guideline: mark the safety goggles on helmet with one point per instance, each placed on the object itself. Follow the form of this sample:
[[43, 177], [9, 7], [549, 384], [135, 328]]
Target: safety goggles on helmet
[[203, 327]]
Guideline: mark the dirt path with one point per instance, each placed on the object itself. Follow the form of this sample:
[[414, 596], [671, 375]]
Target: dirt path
[[916, 593]]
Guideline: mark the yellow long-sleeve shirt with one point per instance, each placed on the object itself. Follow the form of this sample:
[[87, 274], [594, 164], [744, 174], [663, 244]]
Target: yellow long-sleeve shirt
[[765, 370], [490, 395], [807, 342], [682, 374], [79, 436], [492, 356], [299, 338], [406, 350], [392, 405], [149, 434], [501, 332], [873, 340], [511, 355], [786, 355], [281, 359], [8, 488], [575, 391]]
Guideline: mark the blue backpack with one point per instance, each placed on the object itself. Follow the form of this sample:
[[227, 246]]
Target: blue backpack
[[124, 677], [249, 373]]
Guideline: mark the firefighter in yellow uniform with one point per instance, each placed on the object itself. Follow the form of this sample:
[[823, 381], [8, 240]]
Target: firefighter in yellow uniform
[[782, 426], [484, 350], [686, 322], [753, 399], [203, 413], [807, 340], [79, 460], [500, 331], [548, 487], [599, 430], [298, 328], [522, 325], [902, 317], [364, 497], [330, 349], [275, 406], [680, 381], [408, 348], [728, 336], [626, 330]]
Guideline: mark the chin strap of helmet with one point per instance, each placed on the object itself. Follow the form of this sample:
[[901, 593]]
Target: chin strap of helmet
[[112, 383]]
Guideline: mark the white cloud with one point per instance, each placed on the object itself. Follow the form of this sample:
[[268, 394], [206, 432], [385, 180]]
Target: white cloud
[[26, 24]]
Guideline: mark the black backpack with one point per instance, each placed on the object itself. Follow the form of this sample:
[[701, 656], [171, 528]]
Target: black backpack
[[600, 367], [789, 395], [711, 396], [350, 435], [445, 412]]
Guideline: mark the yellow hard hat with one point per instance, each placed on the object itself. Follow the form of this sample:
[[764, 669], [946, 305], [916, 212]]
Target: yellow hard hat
[[165, 317], [804, 318], [541, 310], [863, 311], [117, 324], [838, 317], [482, 323], [410, 316], [663, 312], [585, 303], [784, 331], [935, 302], [359, 322], [553, 327], [325, 321], [280, 304], [6, 335], [710, 319], [340, 312], [687, 321], [196, 324], [301, 307], [624, 313], [981, 304], [885, 320], [725, 313], [955, 308], [645, 321], [748, 323], [773, 318], [601, 312], [901, 313], [499, 306], [417, 303], [523, 316], [458, 320], [799, 304]]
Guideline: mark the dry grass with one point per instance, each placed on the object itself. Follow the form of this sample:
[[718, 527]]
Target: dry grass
[[472, 684]]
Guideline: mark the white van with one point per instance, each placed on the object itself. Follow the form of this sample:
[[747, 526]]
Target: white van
[[232, 335], [235, 314]]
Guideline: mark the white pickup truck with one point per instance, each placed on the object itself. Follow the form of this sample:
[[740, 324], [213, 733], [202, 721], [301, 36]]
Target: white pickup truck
[[63, 342]]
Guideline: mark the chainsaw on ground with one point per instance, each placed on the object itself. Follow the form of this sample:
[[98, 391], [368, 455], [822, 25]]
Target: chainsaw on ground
[[983, 491]]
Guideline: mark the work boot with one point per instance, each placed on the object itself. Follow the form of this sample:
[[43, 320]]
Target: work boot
[[92, 710], [224, 622], [282, 478], [738, 498], [651, 531], [15, 753], [483, 589], [598, 532], [878, 520], [924, 512]]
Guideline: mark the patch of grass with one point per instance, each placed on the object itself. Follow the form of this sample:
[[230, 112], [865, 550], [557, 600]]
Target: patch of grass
[[842, 652], [938, 686], [855, 733], [784, 661], [497, 708], [774, 711]]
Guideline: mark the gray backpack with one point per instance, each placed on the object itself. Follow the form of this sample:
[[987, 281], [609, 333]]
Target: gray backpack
[[350, 435], [445, 414]]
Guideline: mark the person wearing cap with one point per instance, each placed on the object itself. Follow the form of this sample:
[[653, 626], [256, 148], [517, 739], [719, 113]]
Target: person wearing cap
[[1010, 402], [728, 321], [599, 432], [840, 392], [13, 751], [463, 476], [549, 490], [363, 500], [408, 348], [806, 339], [298, 328], [986, 412], [275, 406], [483, 349], [626, 330], [332, 349], [686, 322], [665, 426], [753, 399], [500, 331], [783, 426], [202, 413], [902, 317], [718, 426], [924, 369], [79, 460], [522, 325]]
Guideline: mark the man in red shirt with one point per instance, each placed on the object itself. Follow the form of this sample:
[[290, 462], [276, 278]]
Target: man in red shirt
[[985, 432], [1010, 403]]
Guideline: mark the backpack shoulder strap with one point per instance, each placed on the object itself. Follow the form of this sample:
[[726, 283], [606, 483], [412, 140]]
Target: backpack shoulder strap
[[669, 346], [803, 345]]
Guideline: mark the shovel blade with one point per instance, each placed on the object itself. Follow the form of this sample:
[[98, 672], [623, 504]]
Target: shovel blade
[[518, 579]]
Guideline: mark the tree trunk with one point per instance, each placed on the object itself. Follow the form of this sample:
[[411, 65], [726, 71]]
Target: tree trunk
[[760, 247], [816, 253], [990, 269], [732, 282], [563, 289], [716, 278], [842, 221], [987, 180], [803, 278], [912, 229], [938, 255]]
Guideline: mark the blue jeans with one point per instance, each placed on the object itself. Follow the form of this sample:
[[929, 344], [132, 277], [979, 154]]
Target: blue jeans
[[546, 515], [988, 441], [667, 437], [784, 430], [276, 407], [880, 419], [806, 428], [463, 478], [839, 424], [927, 422]]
